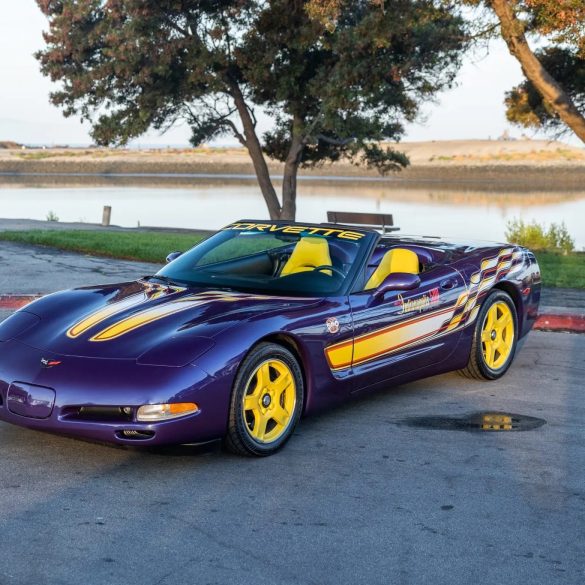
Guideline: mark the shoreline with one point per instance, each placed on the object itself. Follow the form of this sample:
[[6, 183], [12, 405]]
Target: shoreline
[[497, 165], [497, 177]]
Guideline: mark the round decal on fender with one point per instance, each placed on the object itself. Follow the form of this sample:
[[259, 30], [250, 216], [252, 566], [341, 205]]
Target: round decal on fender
[[332, 325]]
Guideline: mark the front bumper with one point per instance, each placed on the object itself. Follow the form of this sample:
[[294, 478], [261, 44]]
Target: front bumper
[[83, 386]]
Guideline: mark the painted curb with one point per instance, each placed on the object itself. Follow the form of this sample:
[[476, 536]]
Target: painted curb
[[560, 322], [573, 323], [14, 302]]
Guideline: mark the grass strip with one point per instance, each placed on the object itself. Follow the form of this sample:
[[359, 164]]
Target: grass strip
[[564, 271], [145, 246]]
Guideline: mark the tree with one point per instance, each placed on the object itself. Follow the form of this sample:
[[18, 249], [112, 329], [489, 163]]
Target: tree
[[334, 89], [526, 105], [554, 91]]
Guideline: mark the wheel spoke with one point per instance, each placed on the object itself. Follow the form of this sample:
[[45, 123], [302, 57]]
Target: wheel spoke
[[490, 354], [263, 376], [260, 423], [281, 383], [280, 416], [250, 402]]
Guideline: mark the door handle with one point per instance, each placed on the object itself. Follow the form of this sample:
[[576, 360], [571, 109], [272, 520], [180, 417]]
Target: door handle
[[448, 284]]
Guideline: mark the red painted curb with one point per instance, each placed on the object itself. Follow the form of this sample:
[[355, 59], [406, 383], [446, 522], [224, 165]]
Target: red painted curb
[[14, 302], [551, 322]]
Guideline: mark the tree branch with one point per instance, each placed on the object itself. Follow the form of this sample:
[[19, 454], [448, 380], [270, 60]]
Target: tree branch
[[513, 33]]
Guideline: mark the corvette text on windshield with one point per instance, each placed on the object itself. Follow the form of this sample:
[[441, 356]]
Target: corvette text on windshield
[[296, 229]]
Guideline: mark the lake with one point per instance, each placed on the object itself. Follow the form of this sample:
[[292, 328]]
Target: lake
[[451, 211]]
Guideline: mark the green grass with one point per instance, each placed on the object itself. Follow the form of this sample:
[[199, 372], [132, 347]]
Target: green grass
[[557, 270], [562, 271], [145, 246]]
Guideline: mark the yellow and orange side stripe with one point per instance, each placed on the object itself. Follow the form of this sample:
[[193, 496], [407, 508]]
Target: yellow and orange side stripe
[[428, 326]]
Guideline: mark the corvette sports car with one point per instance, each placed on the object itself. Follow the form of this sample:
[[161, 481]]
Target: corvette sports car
[[257, 325]]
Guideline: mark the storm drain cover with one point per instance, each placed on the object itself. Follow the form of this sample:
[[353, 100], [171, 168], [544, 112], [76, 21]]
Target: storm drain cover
[[477, 422]]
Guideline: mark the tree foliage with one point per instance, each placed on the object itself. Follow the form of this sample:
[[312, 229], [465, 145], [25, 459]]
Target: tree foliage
[[561, 24], [552, 96], [525, 105], [341, 86]]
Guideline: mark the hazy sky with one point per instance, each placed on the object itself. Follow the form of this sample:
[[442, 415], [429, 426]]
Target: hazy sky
[[474, 109]]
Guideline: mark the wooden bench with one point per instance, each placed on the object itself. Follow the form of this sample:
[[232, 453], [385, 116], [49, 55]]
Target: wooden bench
[[383, 221]]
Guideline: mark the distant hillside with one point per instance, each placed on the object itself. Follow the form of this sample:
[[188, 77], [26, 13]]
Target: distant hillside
[[9, 144], [478, 152]]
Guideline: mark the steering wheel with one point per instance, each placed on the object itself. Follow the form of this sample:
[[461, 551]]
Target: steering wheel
[[324, 267]]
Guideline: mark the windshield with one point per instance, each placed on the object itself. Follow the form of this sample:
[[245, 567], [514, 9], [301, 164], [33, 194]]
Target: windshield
[[275, 258]]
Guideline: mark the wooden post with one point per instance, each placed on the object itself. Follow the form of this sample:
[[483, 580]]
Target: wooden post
[[107, 215]]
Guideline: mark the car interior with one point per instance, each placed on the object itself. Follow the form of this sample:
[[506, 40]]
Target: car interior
[[309, 264]]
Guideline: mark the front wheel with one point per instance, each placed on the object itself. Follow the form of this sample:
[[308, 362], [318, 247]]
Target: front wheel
[[494, 339], [266, 403]]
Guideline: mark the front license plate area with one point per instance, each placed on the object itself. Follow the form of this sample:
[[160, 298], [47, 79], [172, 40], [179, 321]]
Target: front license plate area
[[30, 400]]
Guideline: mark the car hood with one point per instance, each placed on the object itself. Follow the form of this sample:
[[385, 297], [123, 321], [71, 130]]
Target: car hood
[[126, 321]]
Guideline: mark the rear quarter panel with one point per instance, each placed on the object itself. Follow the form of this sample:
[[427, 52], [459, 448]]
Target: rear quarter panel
[[512, 269]]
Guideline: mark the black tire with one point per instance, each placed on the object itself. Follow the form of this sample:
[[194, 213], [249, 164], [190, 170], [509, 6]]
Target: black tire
[[239, 438], [477, 367]]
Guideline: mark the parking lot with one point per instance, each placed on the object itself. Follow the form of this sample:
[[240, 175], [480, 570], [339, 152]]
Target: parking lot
[[357, 496]]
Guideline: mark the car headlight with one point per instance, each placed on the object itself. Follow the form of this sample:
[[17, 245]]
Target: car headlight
[[158, 412]]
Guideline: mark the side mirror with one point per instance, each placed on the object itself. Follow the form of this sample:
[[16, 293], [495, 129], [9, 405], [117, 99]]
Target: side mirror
[[398, 281], [173, 256]]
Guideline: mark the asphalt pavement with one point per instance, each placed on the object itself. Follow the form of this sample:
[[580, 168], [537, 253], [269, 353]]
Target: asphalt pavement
[[357, 496], [36, 269]]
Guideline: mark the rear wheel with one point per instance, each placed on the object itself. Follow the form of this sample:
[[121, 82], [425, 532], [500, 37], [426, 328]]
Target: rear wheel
[[494, 339], [266, 403]]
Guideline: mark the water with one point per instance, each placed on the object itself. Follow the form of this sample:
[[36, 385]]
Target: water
[[427, 210]]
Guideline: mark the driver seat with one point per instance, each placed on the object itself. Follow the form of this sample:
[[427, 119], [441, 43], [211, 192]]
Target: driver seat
[[395, 260], [308, 253]]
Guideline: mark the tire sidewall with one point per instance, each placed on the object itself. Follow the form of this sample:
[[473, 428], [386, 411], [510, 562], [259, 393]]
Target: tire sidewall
[[237, 424], [494, 297]]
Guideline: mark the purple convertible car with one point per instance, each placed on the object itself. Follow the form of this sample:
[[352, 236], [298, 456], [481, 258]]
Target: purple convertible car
[[257, 325]]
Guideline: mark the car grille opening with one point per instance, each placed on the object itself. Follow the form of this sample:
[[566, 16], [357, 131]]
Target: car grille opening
[[100, 413], [135, 435]]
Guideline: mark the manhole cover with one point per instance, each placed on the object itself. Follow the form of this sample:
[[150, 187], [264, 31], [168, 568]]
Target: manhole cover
[[477, 421]]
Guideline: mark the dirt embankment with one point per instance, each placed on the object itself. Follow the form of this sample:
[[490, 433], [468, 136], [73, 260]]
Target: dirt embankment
[[529, 163]]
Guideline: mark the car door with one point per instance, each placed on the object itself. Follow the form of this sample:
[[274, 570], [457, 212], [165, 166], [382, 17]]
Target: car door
[[402, 331]]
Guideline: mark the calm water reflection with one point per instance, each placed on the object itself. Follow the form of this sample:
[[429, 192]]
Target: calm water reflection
[[429, 210]]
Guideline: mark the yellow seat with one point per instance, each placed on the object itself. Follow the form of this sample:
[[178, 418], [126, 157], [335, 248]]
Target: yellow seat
[[309, 253], [395, 260]]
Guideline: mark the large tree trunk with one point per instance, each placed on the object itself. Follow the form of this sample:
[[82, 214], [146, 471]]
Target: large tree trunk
[[553, 94], [255, 150], [289, 180]]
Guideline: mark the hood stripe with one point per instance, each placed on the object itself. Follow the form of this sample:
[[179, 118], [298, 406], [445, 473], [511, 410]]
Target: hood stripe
[[147, 316], [150, 292], [152, 314]]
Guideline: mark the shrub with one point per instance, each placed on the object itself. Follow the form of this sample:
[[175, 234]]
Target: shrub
[[535, 236], [51, 216]]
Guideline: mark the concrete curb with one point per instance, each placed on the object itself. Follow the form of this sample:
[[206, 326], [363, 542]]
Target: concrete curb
[[550, 318]]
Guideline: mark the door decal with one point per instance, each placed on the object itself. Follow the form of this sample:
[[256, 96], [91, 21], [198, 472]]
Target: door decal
[[426, 325]]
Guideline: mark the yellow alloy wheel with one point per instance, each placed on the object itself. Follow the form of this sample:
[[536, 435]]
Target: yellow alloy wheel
[[497, 335], [269, 401]]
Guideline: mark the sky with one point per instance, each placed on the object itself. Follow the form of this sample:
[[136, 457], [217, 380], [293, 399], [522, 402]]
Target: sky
[[472, 110]]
